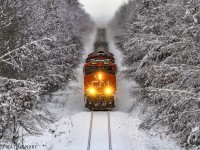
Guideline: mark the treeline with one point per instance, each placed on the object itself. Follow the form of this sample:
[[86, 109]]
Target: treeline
[[40, 48], [160, 41]]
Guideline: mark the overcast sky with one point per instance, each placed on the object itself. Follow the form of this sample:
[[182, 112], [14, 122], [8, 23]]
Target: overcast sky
[[101, 10]]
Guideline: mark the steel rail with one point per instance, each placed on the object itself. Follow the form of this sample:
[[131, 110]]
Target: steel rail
[[91, 128], [90, 132], [109, 132]]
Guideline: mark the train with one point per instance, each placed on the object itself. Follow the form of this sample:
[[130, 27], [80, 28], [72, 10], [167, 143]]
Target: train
[[100, 75]]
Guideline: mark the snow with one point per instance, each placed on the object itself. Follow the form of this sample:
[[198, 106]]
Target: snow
[[54, 137], [71, 130], [120, 136], [144, 141], [99, 137]]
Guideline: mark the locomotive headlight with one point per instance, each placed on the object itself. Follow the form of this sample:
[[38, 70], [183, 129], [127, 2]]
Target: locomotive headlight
[[108, 91], [100, 76], [92, 91]]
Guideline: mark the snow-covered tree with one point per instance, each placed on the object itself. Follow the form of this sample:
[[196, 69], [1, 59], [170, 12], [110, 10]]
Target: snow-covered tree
[[40, 48], [160, 40]]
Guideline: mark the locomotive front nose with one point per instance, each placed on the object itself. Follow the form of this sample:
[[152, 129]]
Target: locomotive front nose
[[102, 91], [100, 76]]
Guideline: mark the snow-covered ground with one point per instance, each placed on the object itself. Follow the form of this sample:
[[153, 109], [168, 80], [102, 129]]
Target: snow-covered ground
[[71, 130]]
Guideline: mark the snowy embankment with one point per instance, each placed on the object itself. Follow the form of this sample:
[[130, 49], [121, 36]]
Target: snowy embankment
[[71, 131], [160, 41]]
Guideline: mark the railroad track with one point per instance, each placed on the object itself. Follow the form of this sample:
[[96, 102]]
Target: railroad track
[[91, 130], [109, 132]]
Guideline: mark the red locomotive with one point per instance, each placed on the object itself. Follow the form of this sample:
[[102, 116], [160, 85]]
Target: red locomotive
[[100, 76]]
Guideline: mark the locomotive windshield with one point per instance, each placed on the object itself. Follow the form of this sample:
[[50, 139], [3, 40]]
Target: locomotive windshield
[[94, 69], [108, 69], [91, 69]]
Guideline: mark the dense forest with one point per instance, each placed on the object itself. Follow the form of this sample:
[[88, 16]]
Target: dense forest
[[160, 41], [40, 48]]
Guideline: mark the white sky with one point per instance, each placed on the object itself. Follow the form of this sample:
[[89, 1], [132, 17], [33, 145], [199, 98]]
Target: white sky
[[102, 10]]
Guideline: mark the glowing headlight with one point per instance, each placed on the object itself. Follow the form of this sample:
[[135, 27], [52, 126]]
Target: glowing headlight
[[100, 76], [108, 91], [92, 91]]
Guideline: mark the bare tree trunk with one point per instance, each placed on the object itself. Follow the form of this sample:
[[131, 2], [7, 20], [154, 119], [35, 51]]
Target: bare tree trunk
[[14, 138]]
